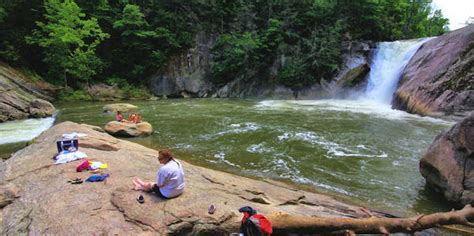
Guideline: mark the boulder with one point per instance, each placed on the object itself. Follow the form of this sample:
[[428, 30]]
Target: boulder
[[123, 107], [125, 129], [49, 205], [448, 165], [438, 78], [40, 108]]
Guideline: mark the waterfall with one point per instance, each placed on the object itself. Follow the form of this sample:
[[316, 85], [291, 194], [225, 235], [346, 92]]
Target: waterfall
[[389, 60]]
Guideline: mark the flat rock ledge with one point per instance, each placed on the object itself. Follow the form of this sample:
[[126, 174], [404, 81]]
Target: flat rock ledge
[[39, 200], [124, 129]]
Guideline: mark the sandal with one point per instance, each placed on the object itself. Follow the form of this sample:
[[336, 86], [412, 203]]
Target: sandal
[[75, 181], [211, 209], [140, 199]]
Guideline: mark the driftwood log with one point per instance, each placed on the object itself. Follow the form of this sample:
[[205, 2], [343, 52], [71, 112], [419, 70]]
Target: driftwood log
[[283, 223]]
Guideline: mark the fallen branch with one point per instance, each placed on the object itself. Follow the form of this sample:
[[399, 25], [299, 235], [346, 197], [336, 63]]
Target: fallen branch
[[283, 223]]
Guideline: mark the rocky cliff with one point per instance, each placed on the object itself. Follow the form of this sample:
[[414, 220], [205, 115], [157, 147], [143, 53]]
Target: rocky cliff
[[36, 198], [439, 78], [21, 97], [189, 75]]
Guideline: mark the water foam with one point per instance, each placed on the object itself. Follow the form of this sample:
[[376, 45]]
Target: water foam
[[360, 106], [221, 157], [23, 130], [259, 148], [333, 149], [234, 129]]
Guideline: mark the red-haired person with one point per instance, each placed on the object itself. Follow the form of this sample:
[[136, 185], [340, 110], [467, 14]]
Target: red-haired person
[[169, 179]]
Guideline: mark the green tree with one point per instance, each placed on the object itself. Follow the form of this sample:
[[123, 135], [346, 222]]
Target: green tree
[[3, 14], [437, 24], [146, 48], [69, 40]]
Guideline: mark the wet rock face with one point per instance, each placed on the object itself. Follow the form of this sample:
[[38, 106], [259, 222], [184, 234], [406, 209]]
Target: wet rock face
[[439, 77], [354, 76], [21, 98], [187, 74], [43, 202], [448, 165]]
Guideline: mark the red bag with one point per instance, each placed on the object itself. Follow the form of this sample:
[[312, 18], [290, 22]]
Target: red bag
[[254, 224]]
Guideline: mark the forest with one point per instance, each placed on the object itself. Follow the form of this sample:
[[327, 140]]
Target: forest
[[74, 43]]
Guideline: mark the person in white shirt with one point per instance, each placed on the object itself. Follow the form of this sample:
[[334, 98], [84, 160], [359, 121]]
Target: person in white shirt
[[169, 180]]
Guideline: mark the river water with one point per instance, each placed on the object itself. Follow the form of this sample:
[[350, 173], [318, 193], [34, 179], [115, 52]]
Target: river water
[[359, 150]]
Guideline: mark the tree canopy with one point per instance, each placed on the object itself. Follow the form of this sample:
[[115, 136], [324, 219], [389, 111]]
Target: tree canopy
[[124, 42], [69, 40]]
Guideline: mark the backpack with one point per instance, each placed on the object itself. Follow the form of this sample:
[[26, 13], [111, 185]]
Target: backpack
[[253, 223]]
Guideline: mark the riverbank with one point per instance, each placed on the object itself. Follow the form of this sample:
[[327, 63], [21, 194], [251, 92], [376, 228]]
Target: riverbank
[[44, 196]]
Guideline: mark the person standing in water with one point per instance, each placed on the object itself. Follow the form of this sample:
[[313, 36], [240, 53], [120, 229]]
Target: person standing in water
[[169, 179]]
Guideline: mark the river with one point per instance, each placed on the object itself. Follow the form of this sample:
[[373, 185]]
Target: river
[[360, 150]]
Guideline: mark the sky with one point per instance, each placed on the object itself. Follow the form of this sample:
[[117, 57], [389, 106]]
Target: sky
[[457, 11]]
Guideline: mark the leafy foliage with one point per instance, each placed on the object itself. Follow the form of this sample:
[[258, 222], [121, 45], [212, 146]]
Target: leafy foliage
[[294, 43], [69, 40]]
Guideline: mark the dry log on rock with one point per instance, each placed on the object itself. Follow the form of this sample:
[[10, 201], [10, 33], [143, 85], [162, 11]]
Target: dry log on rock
[[283, 223]]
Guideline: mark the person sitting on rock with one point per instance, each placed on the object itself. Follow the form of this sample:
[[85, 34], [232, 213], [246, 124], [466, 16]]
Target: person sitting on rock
[[119, 116], [134, 118], [169, 180]]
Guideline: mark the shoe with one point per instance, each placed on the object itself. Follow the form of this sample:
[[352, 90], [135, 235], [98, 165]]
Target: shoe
[[140, 199], [211, 209], [75, 181]]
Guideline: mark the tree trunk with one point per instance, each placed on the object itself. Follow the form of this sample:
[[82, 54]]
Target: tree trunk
[[284, 224], [65, 79]]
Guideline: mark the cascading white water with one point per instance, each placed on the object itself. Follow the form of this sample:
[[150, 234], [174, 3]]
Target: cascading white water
[[23, 130], [389, 60]]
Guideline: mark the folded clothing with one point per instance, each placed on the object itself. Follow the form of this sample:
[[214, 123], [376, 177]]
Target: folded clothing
[[97, 165], [83, 166], [91, 165]]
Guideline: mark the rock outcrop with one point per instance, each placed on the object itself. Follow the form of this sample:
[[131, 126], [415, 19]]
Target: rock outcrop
[[448, 165], [125, 129], [188, 74], [439, 77], [103, 92], [354, 77], [46, 204], [21, 98], [123, 107]]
